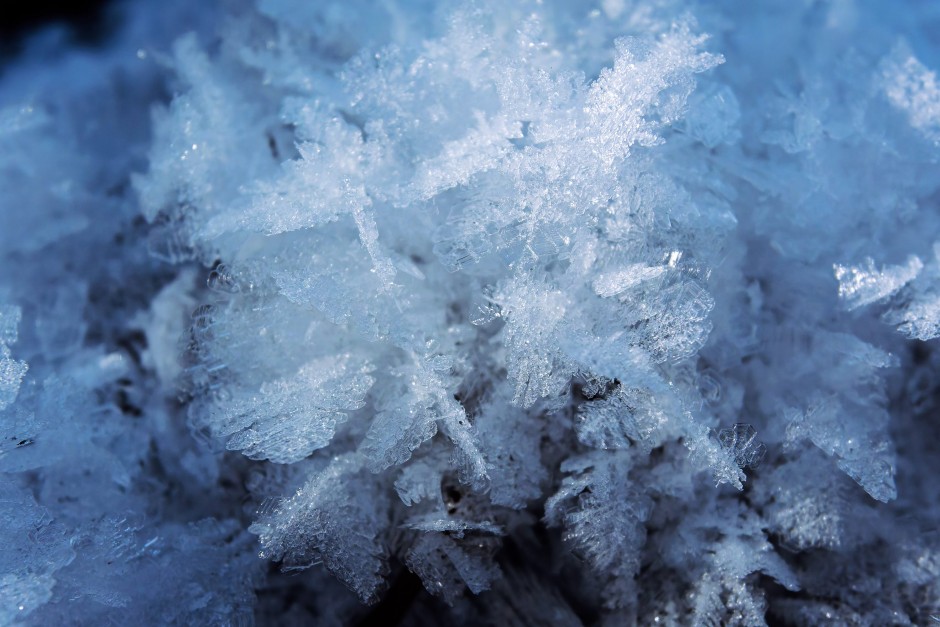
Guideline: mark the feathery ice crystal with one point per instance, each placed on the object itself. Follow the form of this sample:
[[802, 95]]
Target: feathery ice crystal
[[515, 313]]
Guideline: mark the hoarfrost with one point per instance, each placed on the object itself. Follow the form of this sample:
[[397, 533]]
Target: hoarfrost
[[494, 297]]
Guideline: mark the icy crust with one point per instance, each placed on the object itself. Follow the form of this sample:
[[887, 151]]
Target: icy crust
[[539, 312]]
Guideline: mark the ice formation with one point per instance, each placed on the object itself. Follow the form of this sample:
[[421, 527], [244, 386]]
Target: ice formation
[[411, 312]]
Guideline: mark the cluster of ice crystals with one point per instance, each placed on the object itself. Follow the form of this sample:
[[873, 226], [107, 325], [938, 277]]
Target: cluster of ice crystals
[[12, 371], [604, 519], [289, 419], [741, 441], [447, 302], [865, 284], [912, 87], [336, 519]]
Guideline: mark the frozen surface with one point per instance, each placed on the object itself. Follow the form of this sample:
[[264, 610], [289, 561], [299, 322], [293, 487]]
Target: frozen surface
[[617, 312]]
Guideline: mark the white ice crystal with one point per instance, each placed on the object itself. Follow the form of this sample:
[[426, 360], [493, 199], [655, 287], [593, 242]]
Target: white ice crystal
[[11, 371], [336, 518], [912, 87], [604, 518], [288, 419], [865, 284], [608, 312]]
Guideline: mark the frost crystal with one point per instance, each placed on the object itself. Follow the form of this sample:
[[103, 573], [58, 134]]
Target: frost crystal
[[603, 516], [336, 518], [290, 418], [864, 285], [741, 441], [472, 314], [11, 370], [913, 88]]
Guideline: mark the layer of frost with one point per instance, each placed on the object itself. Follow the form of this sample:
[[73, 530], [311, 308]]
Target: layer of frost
[[489, 313]]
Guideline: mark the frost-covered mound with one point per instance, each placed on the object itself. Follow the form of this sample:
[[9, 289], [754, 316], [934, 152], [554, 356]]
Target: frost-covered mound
[[473, 313]]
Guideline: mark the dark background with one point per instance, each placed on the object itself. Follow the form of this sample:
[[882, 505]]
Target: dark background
[[86, 21]]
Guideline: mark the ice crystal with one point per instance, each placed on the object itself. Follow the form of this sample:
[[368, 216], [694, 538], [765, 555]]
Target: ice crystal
[[741, 441], [476, 313]]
